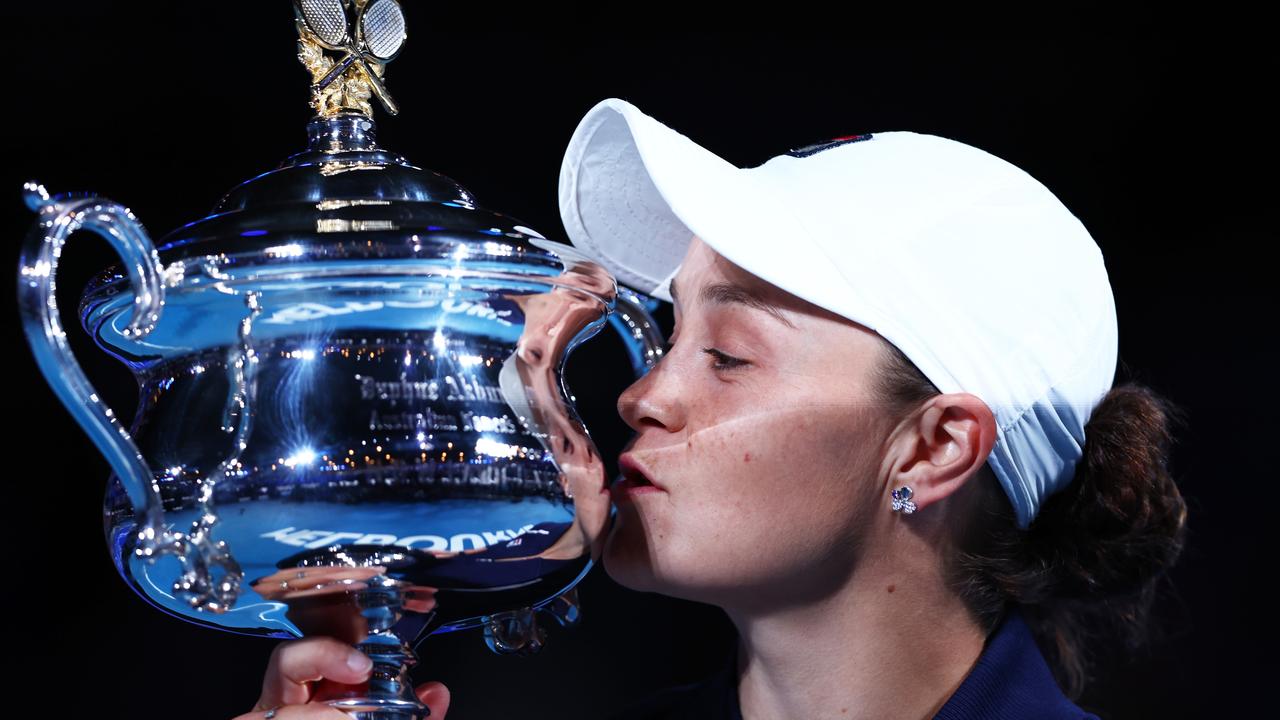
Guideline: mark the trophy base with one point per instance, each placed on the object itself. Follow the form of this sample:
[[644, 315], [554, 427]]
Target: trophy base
[[389, 709]]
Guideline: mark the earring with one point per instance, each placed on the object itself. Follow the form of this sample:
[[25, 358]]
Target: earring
[[902, 500]]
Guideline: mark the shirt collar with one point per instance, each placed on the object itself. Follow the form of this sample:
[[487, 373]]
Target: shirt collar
[[1009, 680]]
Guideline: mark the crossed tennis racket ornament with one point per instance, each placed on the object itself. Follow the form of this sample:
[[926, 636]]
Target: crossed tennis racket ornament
[[379, 35]]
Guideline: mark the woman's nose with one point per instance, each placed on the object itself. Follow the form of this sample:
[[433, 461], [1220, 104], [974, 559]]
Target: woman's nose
[[652, 400]]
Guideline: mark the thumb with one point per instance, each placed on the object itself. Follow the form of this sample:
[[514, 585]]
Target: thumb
[[434, 695]]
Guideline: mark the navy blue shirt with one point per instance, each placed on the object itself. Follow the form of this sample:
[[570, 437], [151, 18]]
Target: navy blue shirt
[[1010, 681]]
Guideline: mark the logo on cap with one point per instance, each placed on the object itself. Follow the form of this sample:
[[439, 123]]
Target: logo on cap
[[818, 147]]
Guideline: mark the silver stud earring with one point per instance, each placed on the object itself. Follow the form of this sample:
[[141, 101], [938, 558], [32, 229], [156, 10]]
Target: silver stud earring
[[902, 500]]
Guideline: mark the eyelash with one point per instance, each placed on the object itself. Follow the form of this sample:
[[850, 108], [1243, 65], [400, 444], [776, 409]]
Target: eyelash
[[723, 361]]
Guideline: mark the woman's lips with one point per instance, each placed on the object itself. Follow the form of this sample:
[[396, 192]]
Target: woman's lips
[[623, 491], [632, 480]]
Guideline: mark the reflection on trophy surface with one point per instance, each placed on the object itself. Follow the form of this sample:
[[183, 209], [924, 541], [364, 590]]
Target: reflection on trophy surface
[[353, 420]]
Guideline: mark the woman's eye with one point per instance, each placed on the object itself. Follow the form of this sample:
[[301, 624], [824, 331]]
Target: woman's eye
[[723, 362]]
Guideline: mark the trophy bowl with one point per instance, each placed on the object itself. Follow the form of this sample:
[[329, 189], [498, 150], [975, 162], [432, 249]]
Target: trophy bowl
[[352, 415]]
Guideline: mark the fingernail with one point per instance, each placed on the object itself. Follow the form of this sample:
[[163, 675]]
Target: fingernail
[[359, 662]]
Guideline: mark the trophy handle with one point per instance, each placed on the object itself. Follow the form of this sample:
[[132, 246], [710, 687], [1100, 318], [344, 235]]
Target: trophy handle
[[639, 331], [518, 631], [58, 217], [37, 269]]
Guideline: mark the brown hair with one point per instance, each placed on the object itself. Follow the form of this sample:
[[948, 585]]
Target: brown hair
[[1088, 567]]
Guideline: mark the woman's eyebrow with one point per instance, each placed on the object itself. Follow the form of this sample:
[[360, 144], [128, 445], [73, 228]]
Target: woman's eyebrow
[[727, 293]]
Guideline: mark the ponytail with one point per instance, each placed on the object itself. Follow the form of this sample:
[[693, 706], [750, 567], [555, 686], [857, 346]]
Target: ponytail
[[1087, 570]]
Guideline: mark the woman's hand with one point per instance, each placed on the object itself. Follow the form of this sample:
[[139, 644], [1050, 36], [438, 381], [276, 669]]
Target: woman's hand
[[296, 664]]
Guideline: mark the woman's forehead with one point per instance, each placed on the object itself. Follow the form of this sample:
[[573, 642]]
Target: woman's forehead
[[708, 279], [703, 266], [730, 285]]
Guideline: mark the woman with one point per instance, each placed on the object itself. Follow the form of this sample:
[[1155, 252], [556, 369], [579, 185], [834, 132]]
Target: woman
[[884, 438]]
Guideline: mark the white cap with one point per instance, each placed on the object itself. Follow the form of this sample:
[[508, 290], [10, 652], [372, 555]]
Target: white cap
[[967, 264]]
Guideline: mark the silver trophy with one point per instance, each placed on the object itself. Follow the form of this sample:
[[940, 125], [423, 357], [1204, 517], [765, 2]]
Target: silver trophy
[[352, 419]]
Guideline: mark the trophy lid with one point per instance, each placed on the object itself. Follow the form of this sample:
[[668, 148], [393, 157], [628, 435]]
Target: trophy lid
[[344, 197]]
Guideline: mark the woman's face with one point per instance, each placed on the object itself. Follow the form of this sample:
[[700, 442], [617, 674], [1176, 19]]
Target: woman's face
[[765, 439]]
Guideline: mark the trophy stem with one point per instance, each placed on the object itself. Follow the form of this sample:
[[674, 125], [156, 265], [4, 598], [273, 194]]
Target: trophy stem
[[390, 694]]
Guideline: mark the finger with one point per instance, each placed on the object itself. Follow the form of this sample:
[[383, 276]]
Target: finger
[[298, 712], [435, 696], [294, 663]]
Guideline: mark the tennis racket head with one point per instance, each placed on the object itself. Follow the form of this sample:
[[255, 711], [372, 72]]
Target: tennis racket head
[[327, 21], [380, 29]]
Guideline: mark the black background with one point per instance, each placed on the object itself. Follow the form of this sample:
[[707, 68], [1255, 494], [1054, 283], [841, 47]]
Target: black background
[[1154, 130]]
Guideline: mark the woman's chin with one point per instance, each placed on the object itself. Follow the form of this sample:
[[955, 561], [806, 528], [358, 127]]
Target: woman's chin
[[626, 557], [629, 562]]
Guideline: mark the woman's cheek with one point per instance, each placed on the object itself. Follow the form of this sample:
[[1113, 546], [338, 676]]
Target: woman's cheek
[[750, 500]]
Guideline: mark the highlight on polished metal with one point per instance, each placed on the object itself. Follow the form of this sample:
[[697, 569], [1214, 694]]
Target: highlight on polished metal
[[380, 34], [353, 420]]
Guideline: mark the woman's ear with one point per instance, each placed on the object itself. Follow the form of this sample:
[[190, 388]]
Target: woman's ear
[[943, 445]]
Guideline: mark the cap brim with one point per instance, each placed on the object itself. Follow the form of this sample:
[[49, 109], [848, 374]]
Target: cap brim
[[633, 192]]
